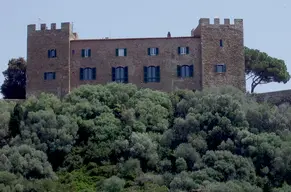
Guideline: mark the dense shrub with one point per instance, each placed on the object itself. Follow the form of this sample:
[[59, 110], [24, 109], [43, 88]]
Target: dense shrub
[[117, 137]]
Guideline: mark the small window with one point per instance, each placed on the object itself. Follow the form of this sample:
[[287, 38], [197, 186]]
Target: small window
[[183, 50], [220, 68], [153, 51], [87, 73], [185, 71], [120, 74], [221, 43], [49, 75], [121, 52], [86, 52], [152, 74], [52, 53]]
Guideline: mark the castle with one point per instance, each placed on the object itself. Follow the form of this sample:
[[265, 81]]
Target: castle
[[213, 55]]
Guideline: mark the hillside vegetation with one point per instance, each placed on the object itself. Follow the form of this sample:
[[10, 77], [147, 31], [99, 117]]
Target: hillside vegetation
[[117, 138]]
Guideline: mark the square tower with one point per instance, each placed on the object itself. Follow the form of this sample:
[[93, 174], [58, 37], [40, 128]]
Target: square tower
[[48, 59], [222, 53]]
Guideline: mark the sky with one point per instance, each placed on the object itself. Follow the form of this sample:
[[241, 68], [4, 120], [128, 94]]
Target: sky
[[267, 25]]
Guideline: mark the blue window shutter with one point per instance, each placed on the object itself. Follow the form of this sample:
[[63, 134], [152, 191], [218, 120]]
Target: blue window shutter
[[149, 51], [221, 43], [94, 73], [81, 73], [55, 53], [54, 75], [125, 52], [49, 53], [215, 68], [224, 68], [125, 74], [187, 50], [83, 52], [89, 52], [145, 74], [113, 73], [116, 52], [158, 75], [191, 68], [44, 76], [179, 50], [157, 50], [178, 70]]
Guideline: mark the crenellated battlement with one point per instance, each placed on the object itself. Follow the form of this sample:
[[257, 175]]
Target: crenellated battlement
[[215, 49], [216, 21], [65, 26]]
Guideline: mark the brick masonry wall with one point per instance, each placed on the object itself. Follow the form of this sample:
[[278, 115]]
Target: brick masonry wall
[[231, 53], [203, 43], [38, 44], [103, 58]]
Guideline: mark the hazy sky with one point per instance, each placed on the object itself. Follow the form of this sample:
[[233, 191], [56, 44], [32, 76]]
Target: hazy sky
[[267, 25]]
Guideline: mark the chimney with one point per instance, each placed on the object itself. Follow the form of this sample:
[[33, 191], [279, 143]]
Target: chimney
[[169, 35]]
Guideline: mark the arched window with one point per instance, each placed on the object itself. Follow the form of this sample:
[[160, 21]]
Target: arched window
[[120, 74], [185, 71], [87, 73], [152, 74]]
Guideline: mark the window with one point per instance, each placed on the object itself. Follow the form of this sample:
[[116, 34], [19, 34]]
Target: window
[[52, 53], [87, 73], [185, 71], [220, 68], [120, 74], [152, 74], [221, 43], [86, 52], [121, 52], [183, 50], [49, 75], [153, 51]]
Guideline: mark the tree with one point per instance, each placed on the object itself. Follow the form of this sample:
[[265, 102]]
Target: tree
[[215, 140], [15, 119], [114, 184], [263, 69], [15, 79]]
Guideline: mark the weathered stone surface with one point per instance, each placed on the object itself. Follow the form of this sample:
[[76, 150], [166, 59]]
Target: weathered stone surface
[[276, 97], [204, 45]]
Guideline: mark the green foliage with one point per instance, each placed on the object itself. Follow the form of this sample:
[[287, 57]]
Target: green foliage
[[181, 164], [6, 109], [263, 68], [25, 160], [231, 186], [15, 120], [14, 79], [113, 184], [130, 169], [80, 180], [120, 138]]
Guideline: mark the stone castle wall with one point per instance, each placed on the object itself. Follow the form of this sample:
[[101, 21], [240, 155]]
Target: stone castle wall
[[276, 97]]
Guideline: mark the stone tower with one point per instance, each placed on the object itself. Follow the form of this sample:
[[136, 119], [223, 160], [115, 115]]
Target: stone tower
[[48, 57], [222, 48]]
